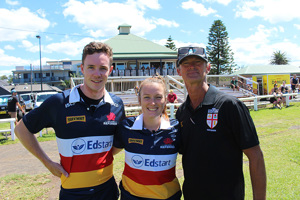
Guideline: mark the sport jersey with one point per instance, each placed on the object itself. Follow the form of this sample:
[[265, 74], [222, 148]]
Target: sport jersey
[[213, 137], [84, 138], [150, 158]]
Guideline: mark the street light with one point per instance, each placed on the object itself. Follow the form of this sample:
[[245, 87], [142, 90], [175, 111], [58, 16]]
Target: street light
[[39, 37]]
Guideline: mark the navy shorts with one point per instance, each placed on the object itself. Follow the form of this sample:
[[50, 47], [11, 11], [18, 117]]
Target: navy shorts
[[108, 190]]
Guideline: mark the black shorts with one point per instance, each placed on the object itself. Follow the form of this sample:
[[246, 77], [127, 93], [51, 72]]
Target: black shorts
[[108, 190]]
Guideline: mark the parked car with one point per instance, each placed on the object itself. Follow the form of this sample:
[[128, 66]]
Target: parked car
[[41, 97], [28, 100], [3, 104]]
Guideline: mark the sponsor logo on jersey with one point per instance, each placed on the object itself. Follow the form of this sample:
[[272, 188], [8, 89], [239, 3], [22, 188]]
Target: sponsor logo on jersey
[[71, 119], [67, 105], [212, 117], [181, 124], [79, 145], [168, 144], [137, 141], [138, 162], [111, 119]]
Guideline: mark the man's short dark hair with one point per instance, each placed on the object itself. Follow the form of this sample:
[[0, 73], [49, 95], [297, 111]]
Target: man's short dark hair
[[97, 47]]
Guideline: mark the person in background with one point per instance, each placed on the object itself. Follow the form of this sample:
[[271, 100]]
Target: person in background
[[284, 89], [217, 130], [151, 142], [294, 84], [172, 97], [12, 104], [84, 119], [234, 84], [276, 100]]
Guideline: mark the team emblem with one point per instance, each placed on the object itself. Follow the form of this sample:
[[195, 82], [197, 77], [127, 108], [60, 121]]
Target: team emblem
[[212, 117]]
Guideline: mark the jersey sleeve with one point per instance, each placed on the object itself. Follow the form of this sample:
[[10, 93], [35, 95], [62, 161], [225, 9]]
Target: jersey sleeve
[[42, 116], [242, 126]]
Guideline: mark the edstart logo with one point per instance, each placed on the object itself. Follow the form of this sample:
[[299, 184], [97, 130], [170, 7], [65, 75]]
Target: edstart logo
[[78, 146], [137, 161]]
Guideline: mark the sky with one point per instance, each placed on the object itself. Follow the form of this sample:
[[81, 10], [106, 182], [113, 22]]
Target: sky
[[256, 28]]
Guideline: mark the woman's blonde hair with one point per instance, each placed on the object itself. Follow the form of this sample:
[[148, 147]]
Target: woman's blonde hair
[[155, 79]]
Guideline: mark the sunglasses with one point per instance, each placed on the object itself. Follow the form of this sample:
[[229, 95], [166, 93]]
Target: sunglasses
[[184, 51], [191, 50]]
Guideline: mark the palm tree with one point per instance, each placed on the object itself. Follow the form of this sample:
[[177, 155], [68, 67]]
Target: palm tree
[[279, 58]]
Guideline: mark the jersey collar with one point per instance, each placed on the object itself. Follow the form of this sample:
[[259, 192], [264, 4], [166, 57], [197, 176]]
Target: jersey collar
[[138, 123], [75, 97]]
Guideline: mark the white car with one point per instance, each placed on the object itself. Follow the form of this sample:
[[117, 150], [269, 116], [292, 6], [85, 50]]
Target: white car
[[28, 100], [41, 97]]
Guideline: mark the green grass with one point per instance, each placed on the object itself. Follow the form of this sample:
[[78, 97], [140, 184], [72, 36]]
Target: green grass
[[47, 135], [279, 134], [24, 186]]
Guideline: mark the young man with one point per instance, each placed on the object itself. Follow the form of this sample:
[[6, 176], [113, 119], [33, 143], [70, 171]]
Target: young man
[[12, 104], [235, 84], [294, 83], [84, 120], [216, 130]]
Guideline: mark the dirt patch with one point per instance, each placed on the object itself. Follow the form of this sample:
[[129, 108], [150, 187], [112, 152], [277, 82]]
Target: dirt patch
[[15, 159]]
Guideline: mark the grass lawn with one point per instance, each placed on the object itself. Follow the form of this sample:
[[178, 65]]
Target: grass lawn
[[279, 134]]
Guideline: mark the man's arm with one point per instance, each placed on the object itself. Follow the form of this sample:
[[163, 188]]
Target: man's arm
[[30, 142], [20, 107], [257, 172]]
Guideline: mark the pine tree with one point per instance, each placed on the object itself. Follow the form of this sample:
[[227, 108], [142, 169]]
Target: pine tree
[[170, 44], [219, 53]]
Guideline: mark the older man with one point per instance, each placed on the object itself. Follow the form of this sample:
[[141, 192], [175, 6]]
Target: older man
[[216, 130]]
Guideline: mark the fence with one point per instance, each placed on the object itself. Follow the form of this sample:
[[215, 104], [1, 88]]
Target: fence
[[12, 127]]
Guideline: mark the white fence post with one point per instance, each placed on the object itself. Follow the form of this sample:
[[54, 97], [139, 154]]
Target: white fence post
[[12, 129], [255, 104], [172, 112]]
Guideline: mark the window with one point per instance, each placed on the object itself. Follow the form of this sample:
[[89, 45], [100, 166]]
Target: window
[[120, 66]]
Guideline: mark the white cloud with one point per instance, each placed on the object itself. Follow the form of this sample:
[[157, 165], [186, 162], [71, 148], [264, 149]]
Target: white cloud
[[14, 21], [12, 3], [9, 47], [273, 11], [223, 2], [143, 4], [166, 23], [198, 8], [297, 26], [41, 12], [102, 18], [258, 47], [11, 61], [71, 48], [281, 29]]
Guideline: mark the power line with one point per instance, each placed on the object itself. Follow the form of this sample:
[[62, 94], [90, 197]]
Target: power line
[[38, 32]]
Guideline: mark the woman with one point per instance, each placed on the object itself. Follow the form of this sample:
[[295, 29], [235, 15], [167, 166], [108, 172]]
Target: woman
[[276, 100], [284, 90], [151, 142]]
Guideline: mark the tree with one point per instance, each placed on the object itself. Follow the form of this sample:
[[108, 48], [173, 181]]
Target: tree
[[170, 44], [219, 53], [3, 77], [279, 58]]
